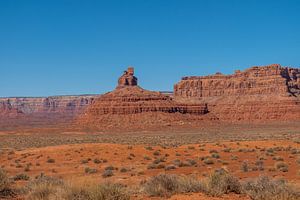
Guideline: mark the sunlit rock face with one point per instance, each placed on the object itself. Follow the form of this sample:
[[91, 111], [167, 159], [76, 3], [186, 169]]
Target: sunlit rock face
[[129, 103], [258, 93]]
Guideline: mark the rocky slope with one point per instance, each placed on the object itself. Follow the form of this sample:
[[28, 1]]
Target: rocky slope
[[258, 93]]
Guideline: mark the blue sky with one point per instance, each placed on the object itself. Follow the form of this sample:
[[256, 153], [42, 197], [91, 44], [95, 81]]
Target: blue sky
[[59, 47]]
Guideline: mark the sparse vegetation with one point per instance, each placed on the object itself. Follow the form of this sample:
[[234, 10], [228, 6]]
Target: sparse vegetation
[[107, 173], [50, 160], [282, 166], [4, 183], [266, 189], [19, 177], [165, 185], [221, 182]]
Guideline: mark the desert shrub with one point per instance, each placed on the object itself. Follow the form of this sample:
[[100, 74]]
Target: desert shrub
[[107, 173], [50, 160], [278, 158], [165, 185], [49, 188], [97, 161], [156, 153], [123, 170], [208, 161], [191, 162], [295, 151], [19, 177], [84, 161], [227, 150], [282, 166], [147, 158], [44, 187], [159, 160], [213, 151], [5, 183], [245, 166], [108, 191], [151, 166], [110, 167], [27, 168], [221, 182], [260, 165], [74, 193], [88, 170], [149, 148], [215, 155], [266, 189], [170, 167], [234, 157]]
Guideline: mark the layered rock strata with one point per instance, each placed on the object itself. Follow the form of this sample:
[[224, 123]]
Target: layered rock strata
[[129, 101], [258, 93], [42, 110]]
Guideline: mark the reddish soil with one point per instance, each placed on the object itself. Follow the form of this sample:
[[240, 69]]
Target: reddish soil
[[70, 161]]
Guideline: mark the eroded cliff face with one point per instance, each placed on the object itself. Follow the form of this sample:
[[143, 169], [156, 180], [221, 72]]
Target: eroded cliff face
[[18, 111], [258, 93]]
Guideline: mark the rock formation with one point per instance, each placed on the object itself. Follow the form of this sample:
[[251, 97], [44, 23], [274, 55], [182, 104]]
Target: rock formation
[[129, 100], [41, 110], [258, 93], [127, 79]]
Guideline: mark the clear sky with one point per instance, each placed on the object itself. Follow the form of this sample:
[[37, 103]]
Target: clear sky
[[54, 47]]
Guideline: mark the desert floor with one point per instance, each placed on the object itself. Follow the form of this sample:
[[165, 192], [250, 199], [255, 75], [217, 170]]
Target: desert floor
[[245, 151]]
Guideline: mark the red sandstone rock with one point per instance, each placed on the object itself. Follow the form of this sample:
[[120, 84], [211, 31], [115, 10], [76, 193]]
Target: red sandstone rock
[[23, 111], [259, 93], [127, 79], [129, 103]]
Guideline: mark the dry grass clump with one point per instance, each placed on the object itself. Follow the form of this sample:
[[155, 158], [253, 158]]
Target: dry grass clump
[[266, 189], [88, 170], [107, 173], [221, 182], [165, 185], [107, 191], [46, 189], [19, 177], [43, 187], [282, 166], [5, 185]]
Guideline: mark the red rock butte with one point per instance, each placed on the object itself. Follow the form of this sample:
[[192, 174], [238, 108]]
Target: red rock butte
[[130, 104]]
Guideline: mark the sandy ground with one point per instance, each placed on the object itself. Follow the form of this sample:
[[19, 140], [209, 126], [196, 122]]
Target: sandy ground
[[68, 155], [70, 161]]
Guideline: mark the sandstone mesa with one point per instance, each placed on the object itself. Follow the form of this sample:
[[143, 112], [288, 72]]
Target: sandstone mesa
[[266, 93]]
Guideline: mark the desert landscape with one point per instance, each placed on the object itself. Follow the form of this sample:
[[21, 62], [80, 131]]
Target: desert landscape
[[214, 137]]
